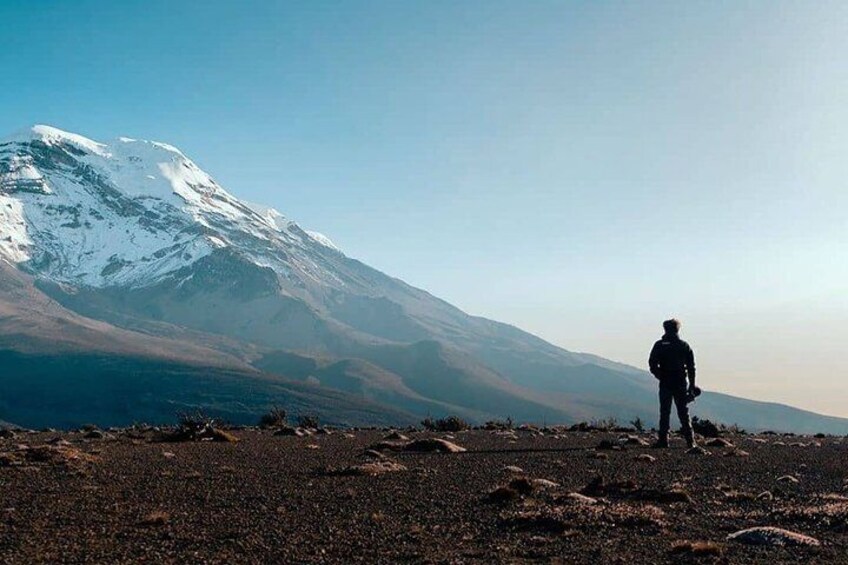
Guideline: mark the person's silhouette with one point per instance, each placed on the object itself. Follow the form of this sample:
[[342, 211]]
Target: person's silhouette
[[672, 362]]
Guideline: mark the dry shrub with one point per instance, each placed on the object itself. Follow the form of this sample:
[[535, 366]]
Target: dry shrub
[[449, 424], [366, 469], [628, 489], [831, 514], [576, 515], [197, 427], [696, 548], [502, 495], [156, 518], [662, 496], [274, 418], [738, 496], [522, 485], [537, 521], [308, 421], [499, 425], [598, 486], [62, 455]]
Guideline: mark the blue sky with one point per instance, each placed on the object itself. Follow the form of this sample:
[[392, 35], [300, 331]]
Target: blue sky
[[582, 170]]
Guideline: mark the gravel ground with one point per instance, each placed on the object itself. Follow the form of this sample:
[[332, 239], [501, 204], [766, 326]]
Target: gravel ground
[[274, 499]]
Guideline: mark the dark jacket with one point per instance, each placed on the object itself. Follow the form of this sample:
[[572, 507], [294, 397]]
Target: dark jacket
[[671, 361]]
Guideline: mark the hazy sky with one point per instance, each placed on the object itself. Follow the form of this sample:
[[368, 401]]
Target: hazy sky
[[581, 170]]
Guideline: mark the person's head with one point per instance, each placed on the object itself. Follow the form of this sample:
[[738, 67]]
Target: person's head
[[672, 327]]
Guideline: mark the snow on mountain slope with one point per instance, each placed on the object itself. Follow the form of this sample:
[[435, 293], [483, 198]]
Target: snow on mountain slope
[[323, 240], [130, 212]]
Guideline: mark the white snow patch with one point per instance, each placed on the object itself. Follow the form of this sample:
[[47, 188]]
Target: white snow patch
[[323, 240], [14, 240], [217, 242], [51, 136]]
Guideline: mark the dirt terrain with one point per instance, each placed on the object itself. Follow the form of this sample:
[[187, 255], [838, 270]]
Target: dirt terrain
[[120, 497]]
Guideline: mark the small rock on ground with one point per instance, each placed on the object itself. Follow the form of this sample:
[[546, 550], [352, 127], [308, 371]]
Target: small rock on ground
[[544, 483], [718, 442], [768, 535], [434, 444]]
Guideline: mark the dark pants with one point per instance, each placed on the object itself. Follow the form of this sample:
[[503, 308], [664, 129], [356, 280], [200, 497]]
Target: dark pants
[[676, 394]]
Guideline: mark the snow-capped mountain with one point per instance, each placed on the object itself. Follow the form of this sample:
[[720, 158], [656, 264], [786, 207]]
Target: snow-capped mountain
[[130, 212], [124, 267]]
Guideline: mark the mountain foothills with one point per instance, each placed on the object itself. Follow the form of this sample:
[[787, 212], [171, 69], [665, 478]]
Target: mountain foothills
[[133, 286]]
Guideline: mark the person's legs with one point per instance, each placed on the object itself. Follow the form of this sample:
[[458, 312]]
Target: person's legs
[[683, 415], [666, 397]]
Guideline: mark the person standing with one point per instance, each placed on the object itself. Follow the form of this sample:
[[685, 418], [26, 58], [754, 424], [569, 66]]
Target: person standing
[[672, 362]]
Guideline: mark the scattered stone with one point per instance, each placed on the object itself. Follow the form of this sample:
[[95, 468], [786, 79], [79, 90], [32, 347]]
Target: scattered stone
[[718, 442], [7, 433], [58, 442], [645, 457], [599, 455], [788, 479], [697, 450], [580, 498], [544, 483], [396, 436], [633, 440], [514, 470], [769, 535], [766, 496], [433, 445], [736, 452]]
